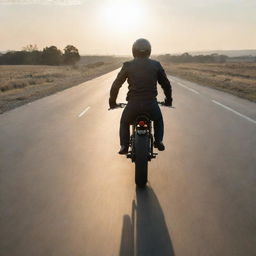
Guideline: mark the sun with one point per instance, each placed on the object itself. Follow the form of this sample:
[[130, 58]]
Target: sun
[[123, 16]]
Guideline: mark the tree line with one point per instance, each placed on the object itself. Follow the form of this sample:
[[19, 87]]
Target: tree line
[[186, 57], [30, 55]]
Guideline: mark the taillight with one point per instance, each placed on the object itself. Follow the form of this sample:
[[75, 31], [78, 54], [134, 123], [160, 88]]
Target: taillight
[[141, 123]]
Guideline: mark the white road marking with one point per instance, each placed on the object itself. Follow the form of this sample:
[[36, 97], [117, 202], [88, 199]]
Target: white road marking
[[234, 111], [188, 88], [82, 113]]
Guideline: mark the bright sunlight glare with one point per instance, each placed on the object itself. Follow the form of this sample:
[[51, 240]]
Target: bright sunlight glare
[[122, 16]]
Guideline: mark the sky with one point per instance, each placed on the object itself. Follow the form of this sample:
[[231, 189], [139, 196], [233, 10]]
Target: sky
[[111, 26]]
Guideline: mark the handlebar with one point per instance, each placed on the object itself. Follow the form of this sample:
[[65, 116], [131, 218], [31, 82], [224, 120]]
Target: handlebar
[[123, 105], [119, 105]]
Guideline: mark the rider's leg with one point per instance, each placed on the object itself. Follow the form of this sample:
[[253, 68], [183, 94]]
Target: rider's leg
[[126, 119], [158, 134], [159, 129], [124, 131], [157, 117]]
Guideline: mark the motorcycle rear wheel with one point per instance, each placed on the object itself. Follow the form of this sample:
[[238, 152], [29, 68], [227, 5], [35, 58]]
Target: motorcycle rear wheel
[[141, 160]]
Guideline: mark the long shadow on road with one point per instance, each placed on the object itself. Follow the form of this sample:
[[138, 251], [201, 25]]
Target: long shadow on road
[[145, 231]]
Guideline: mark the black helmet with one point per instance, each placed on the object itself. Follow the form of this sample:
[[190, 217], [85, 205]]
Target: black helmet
[[141, 48]]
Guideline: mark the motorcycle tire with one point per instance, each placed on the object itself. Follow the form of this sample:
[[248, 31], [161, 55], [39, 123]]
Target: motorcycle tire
[[141, 159]]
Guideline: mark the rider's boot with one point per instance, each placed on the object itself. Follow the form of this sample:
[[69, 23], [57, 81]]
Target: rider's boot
[[123, 150], [159, 145]]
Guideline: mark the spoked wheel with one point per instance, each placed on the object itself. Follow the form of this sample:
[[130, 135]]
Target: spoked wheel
[[141, 160]]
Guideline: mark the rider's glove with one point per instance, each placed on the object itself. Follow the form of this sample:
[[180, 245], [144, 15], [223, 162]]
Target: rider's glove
[[168, 102], [112, 104]]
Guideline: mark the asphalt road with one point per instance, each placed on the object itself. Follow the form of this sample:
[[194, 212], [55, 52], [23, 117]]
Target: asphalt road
[[64, 191]]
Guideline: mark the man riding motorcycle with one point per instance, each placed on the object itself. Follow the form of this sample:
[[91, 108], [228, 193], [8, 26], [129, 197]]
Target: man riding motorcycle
[[142, 74]]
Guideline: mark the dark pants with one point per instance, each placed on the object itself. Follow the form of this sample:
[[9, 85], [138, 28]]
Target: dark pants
[[132, 110]]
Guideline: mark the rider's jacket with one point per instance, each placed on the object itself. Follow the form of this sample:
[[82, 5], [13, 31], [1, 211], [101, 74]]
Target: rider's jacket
[[142, 75]]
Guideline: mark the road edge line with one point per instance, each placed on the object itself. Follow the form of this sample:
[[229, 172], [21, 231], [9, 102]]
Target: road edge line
[[234, 111], [188, 88]]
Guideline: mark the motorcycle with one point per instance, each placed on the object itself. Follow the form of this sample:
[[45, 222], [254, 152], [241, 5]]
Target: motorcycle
[[141, 145]]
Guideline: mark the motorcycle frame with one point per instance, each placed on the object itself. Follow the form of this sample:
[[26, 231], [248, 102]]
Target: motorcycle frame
[[136, 130]]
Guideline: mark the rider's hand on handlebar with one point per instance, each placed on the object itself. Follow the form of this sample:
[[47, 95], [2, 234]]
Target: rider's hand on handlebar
[[168, 102], [112, 104]]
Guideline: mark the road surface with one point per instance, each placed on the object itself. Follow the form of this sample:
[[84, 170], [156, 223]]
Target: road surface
[[64, 190]]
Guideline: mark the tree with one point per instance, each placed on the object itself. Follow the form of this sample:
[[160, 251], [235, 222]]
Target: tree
[[71, 55], [30, 48], [51, 56], [33, 58]]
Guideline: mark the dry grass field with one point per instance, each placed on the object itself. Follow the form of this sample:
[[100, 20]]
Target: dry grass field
[[236, 78], [22, 84]]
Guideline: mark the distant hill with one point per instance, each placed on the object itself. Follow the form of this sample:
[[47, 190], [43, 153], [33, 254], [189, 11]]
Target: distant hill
[[229, 53]]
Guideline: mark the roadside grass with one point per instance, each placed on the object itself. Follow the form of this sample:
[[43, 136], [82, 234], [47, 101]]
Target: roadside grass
[[236, 78], [24, 83]]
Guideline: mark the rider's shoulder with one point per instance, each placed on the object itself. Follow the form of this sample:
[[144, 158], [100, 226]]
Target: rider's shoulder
[[126, 64], [155, 62]]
